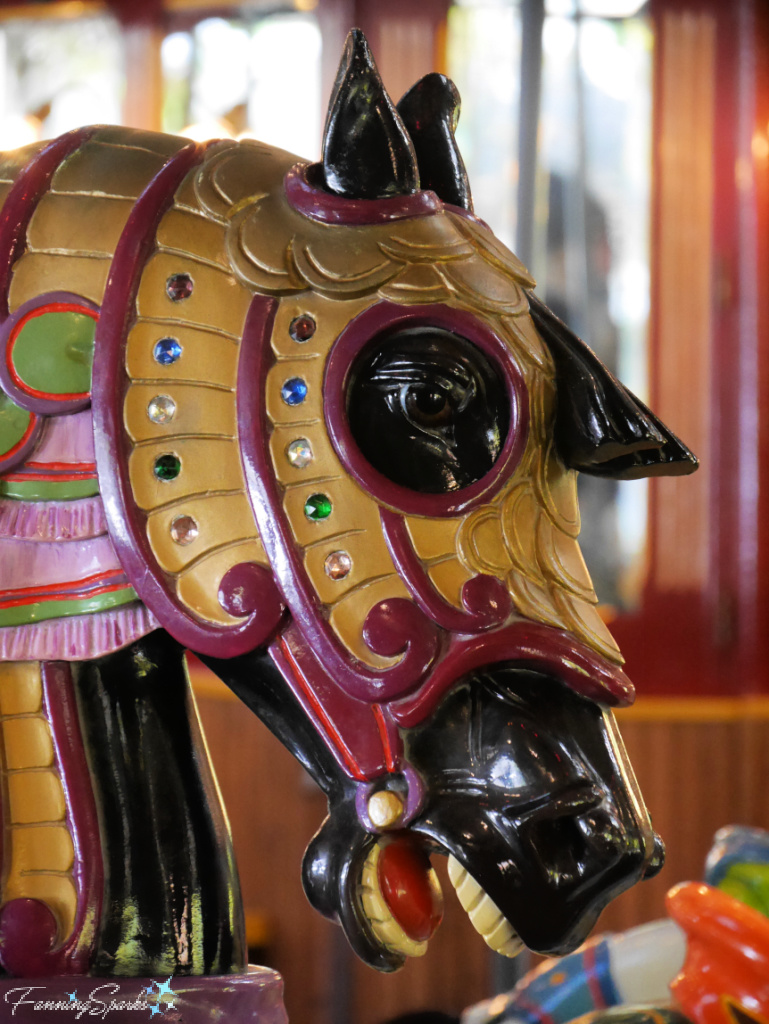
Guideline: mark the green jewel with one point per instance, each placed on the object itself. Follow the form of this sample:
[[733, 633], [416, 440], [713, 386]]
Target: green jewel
[[167, 467], [317, 507]]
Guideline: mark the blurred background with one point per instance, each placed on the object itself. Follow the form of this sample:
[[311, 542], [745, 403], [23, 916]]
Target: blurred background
[[622, 150]]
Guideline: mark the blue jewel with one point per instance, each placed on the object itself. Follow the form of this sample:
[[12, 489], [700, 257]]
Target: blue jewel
[[294, 391], [167, 351]]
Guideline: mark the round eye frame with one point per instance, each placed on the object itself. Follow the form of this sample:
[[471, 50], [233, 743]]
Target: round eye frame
[[388, 317]]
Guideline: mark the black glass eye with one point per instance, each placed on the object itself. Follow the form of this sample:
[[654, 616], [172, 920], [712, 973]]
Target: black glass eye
[[428, 409]]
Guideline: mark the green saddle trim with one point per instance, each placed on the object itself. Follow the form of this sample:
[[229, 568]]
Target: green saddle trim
[[40, 611], [48, 490]]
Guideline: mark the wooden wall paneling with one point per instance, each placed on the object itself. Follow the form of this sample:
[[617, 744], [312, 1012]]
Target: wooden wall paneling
[[706, 599], [701, 765]]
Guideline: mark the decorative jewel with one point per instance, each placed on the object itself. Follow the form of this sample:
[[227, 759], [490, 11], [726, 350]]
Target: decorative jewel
[[317, 507], [167, 351], [299, 453], [302, 328], [167, 467], [338, 563], [294, 391], [179, 287], [384, 808], [184, 530], [161, 409]]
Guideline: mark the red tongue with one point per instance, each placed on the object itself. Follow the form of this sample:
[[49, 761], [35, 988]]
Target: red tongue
[[404, 877]]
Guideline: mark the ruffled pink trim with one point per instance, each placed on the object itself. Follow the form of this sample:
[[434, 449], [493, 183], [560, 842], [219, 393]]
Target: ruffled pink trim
[[52, 520], [77, 638]]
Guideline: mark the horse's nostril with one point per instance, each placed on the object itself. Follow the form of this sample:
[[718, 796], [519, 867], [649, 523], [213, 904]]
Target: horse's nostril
[[656, 860]]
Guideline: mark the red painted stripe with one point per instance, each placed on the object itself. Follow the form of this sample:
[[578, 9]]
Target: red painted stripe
[[53, 478], [331, 730], [97, 577], [381, 725], [64, 596], [75, 466]]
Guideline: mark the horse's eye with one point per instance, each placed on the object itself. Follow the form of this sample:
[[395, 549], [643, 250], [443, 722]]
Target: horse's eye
[[426, 406], [428, 409]]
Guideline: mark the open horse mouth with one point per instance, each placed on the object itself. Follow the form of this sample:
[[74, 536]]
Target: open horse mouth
[[531, 796]]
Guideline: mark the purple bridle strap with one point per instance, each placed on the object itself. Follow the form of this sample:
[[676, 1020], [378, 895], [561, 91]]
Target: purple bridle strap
[[392, 627], [486, 600], [126, 524]]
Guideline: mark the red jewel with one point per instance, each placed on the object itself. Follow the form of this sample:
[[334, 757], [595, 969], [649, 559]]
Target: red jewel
[[179, 286], [302, 328], [404, 878]]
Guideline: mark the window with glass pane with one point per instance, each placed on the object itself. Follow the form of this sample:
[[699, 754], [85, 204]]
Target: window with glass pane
[[590, 216], [255, 77], [57, 74]]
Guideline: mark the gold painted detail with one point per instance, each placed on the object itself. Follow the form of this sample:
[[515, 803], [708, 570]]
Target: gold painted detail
[[76, 225], [197, 393], [527, 535], [37, 845], [354, 523]]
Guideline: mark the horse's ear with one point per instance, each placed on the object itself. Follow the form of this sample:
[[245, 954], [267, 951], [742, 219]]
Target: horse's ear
[[367, 152], [430, 112], [600, 426]]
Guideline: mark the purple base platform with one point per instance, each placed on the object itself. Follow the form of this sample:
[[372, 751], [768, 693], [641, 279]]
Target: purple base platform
[[252, 998]]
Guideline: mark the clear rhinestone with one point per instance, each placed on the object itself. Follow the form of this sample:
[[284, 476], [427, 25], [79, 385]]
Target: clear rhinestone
[[161, 409], [299, 453], [184, 530], [338, 565]]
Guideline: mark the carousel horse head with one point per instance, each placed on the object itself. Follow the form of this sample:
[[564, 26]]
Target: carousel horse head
[[336, 442]]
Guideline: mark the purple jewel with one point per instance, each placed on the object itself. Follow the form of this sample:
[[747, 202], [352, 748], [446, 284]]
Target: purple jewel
[[179, 286]]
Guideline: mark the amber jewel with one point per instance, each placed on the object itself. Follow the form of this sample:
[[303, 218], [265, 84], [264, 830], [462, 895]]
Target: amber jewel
[[338, 565], [184, 530]]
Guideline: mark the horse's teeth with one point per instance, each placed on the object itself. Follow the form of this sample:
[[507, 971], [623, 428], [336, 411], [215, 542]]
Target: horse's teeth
[[485, 916]]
